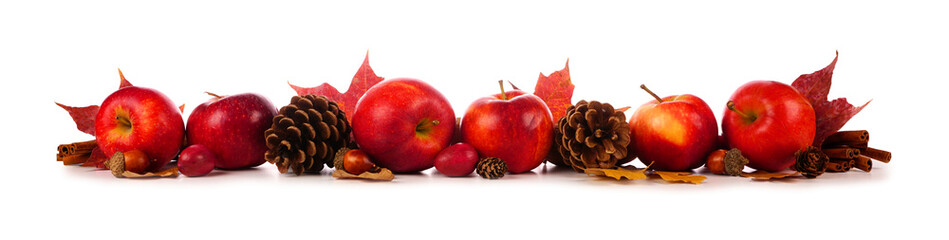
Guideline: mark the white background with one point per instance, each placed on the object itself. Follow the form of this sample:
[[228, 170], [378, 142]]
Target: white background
[[68, 51]]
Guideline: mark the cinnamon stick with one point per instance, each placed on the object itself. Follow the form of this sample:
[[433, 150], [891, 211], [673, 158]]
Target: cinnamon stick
[[77, 147], [839, 165], [74, 153], [878, 154], [75, 158], [834, 167], [841, 153], [863, 163], [858, 138]]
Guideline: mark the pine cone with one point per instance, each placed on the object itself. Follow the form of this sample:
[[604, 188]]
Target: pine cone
[[491, 168], [594, 135], [306, 134], [811, 162], [554, 155]]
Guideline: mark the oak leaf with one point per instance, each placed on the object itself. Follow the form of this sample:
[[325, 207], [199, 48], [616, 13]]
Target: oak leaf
[[619, 173], [831, 115], [685, 177], [364, 79], [556, 90]]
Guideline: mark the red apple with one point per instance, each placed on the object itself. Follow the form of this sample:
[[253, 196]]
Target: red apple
[[457, 160], [232, 127], [768, 121], [402, 124], [140, 118], [514, 126], [675, 133]]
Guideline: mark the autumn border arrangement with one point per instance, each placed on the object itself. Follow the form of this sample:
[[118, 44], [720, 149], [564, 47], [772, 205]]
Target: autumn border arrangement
[[139, 133]]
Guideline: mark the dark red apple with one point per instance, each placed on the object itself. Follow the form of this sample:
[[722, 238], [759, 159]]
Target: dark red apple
[[675, 133], [768, 121], [457, 160], [402, 124], [140, 118], [514, 126], [232, 127]]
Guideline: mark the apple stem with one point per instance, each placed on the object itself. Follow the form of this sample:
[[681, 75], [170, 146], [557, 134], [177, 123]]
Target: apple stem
[[124, 122], [503, 96], [643, 86], [731, 107], [214, 95]]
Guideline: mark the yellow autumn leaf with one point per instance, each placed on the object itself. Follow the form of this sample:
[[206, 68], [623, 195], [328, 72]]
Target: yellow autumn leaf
[[618, 173], [764, 175], [170, 172], [686, 177]]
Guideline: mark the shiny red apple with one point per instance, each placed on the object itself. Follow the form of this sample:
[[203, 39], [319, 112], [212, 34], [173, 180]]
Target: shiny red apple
[[140, 118], [232, 127], [768, 121], [675, 133], [402, 124], [514, 126]]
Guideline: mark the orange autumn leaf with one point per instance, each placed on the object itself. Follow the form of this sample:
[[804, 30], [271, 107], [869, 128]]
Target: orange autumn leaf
[[556, 90], [686, 177], [764, 175], [383, 175], [364, 79], [619, 173]]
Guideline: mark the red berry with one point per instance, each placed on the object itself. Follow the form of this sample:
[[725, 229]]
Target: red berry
[[457, 160], [357, 162], [196, 160], [136, 161]]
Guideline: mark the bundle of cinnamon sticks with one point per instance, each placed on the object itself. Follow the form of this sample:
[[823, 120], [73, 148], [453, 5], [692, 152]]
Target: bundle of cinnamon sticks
[[850, 149], [75, 153]]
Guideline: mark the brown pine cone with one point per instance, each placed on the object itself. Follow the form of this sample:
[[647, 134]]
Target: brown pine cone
[[554, 156], [491, 168], [594, 135], [811, 162], [306, 134]]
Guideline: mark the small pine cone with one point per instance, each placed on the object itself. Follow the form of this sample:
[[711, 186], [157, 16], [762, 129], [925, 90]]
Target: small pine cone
[[594, 135], [306, 134], [811, 162], [491, 168]]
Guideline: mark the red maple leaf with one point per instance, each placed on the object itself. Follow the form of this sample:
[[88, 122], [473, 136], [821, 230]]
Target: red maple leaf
[[97, 159], [364, 79], [85, 117], [556, 90], [831, 115]]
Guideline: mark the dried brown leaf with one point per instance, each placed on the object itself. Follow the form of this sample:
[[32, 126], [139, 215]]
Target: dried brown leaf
[[383, 175], [619, 173], [764, 175], [685, 177], [170, 172]]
